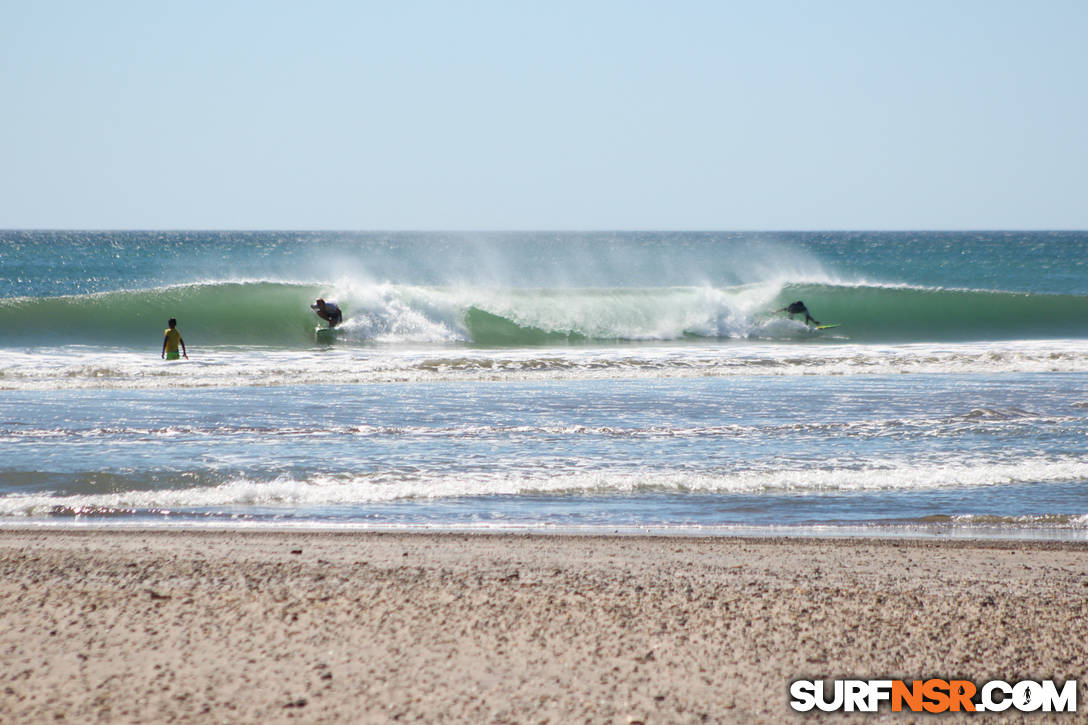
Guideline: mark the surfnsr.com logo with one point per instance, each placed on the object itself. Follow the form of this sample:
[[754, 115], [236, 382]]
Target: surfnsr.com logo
[[933, 696]]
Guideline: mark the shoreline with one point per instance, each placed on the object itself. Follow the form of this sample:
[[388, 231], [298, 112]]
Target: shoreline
[[919, 532], [155, 625]]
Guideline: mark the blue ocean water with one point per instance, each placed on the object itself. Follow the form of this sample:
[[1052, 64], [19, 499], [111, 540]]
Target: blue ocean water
[[544, 381]]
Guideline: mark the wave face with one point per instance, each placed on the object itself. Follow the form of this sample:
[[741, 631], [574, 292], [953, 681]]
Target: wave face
[[241, 313], [866, 313], [277, 314], [883, 313]]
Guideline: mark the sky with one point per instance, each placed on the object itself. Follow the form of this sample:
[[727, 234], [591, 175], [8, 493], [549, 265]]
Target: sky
[[552, 115]]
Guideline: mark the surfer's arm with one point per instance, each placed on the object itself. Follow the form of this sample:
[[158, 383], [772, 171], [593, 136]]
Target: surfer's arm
[[164, 347], [184, 352]]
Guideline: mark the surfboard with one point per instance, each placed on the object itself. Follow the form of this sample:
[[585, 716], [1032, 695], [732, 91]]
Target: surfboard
[[827, 327], [325, 334]]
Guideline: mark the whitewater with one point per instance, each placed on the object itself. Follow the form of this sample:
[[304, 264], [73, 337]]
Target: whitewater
[[543, 381]]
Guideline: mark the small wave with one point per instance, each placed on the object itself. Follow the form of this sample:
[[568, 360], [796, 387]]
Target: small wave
[[997, 414], [85, 367], [1035, 521], [861, 429], [352, 490]]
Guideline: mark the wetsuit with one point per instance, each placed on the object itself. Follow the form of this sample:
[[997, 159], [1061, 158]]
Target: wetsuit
[[798, 308]]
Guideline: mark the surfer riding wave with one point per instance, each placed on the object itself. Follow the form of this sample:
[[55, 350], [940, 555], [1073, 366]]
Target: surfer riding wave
[[328, 311], [798, 308]]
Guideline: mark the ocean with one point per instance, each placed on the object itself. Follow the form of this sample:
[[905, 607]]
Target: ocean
[[593, 382]]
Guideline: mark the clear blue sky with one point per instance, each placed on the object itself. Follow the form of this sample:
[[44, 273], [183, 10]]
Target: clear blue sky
[[543, 115]]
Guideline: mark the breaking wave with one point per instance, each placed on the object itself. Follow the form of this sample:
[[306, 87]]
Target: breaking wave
[[277, 314]]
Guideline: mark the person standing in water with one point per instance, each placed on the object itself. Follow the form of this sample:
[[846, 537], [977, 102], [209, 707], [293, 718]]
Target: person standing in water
[[328, 311], [171, 341], [798, 308]]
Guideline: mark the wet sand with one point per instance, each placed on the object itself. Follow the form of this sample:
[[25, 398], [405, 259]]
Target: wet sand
[[165, 626]]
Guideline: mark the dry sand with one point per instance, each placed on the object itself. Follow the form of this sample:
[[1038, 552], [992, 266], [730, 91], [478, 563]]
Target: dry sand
[[265, 627]]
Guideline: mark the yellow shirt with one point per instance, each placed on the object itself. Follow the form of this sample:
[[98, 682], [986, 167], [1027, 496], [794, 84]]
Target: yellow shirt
[[172, 337]]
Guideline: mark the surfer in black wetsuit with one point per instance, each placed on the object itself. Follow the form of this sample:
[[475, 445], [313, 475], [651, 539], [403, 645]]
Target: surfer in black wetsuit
[[328, 311], [798, 308]]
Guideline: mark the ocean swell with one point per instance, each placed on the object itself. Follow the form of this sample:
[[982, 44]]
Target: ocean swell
[[277, 314]]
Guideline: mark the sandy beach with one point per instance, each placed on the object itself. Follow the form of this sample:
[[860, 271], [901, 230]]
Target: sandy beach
[[163, 626]]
